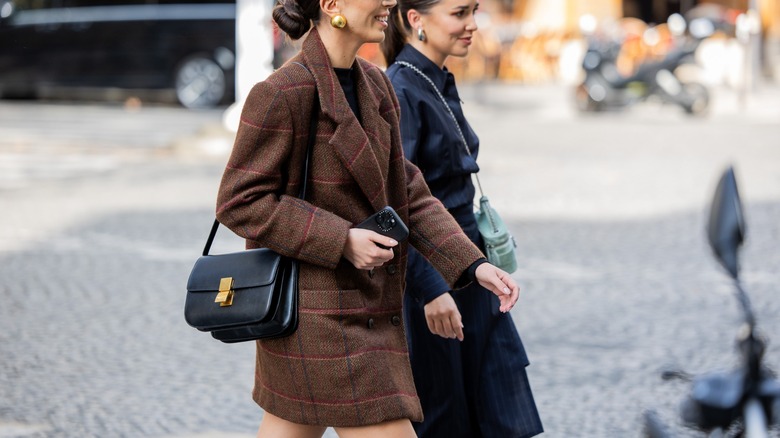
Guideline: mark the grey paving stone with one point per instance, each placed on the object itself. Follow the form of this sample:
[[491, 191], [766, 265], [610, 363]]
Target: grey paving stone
[[617, 282]]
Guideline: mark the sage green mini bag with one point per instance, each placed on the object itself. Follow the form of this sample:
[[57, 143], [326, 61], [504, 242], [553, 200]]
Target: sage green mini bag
[[499, 244]]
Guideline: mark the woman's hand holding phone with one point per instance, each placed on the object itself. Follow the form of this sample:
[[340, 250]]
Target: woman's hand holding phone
[[387, 223], [363, 248], [370, 243]]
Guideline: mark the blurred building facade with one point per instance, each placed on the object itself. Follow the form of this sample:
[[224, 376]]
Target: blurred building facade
[[536, 41]]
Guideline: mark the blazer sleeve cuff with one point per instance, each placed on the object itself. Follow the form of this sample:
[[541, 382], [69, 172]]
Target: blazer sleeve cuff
[[469, 275], [325, 239]]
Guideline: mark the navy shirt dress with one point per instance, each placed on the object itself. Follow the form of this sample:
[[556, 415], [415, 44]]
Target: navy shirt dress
[[478, 387]]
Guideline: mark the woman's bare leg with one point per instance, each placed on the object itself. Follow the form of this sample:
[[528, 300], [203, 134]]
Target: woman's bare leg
[[389, 429], [274, 427]]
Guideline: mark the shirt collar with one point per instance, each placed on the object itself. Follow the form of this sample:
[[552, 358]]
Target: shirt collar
[[413, 56]]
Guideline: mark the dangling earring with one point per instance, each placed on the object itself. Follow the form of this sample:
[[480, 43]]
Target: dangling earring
[[338, 21], [420, 34]]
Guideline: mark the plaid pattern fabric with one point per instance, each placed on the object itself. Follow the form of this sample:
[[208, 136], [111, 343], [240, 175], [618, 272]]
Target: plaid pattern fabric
[[347, 364]]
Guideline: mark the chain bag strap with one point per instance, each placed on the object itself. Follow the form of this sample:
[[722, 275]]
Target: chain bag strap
[[499, 244]]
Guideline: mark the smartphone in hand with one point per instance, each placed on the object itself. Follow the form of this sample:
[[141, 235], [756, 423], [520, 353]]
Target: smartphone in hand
[[387, 223]]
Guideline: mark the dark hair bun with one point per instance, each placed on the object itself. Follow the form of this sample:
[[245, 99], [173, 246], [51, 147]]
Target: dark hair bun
[[291, 18]]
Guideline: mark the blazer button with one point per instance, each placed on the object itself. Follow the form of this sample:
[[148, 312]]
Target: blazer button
[[370, 323], [396, 320], [391, 269]]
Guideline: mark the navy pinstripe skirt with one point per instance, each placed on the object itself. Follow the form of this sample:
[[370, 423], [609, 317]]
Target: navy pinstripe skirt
[[478, 387]]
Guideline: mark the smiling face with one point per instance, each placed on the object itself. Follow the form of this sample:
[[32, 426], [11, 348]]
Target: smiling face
[[449, 26], [367, 19]]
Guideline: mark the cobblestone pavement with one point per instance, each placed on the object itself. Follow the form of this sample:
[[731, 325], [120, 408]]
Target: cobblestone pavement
[[608, 211]]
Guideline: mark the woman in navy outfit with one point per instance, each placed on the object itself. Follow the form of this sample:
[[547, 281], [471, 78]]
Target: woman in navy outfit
[[467, 358]]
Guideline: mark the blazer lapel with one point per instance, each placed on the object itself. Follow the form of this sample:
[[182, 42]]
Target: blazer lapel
[[375, 126], [356, 148]]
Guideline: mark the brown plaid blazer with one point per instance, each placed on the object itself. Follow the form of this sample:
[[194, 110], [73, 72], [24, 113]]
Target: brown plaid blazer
[[347, 364]]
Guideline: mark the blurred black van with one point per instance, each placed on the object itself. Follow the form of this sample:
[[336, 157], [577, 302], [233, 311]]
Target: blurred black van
[[186, 49]]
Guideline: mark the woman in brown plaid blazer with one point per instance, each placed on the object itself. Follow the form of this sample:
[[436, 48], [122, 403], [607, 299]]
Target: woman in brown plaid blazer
[[347, 365]]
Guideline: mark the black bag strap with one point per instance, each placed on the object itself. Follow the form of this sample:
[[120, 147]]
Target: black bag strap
[[309, 147]]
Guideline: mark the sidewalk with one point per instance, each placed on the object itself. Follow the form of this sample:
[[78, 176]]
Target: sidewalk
[[607, 211], [556, 102]]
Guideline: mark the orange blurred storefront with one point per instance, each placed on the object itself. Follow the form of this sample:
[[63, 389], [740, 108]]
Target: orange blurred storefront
[[530, 40]]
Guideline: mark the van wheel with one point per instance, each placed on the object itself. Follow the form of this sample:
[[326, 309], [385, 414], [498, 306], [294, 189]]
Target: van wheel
[[200, 83]]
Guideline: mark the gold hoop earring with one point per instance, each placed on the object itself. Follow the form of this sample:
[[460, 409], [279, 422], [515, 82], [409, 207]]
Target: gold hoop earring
[[420, 34], [338, 21]]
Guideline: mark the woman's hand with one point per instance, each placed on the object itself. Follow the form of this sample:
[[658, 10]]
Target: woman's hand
[[443, 317], [500, 283], [362, 250]]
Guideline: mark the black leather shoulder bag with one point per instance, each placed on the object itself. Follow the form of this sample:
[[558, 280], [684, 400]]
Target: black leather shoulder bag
[[250, 294]]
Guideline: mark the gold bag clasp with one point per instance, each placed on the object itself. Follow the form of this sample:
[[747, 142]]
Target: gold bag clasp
[[225, 295]]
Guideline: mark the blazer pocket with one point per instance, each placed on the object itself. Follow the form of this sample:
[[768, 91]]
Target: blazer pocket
[[331, 302]]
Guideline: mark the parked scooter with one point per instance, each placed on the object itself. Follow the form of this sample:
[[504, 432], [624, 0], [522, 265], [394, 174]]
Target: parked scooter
[[605, 88], [743, 402]]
